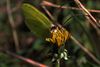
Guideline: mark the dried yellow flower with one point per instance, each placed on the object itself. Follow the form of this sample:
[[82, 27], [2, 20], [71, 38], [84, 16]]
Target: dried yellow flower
[[58, 35]]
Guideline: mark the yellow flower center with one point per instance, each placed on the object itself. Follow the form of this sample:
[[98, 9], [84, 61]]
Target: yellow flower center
[[58, 36]]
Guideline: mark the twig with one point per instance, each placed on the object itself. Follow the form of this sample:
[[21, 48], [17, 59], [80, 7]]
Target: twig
[[90, 18], [46, 3], [14, 9], [85, 50], [49, 14], [86, 12], [11, 21], [34, 63], [17, 6]]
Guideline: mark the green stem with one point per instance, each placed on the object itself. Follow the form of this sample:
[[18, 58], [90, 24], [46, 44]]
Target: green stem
[[58, 63]]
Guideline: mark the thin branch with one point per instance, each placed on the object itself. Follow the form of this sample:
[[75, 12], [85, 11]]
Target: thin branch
[[17, 6], [48, 13], [85, 50], [90, 18], [46, 3], [11, 21], [32, 62], [14, 9], [86, 12]]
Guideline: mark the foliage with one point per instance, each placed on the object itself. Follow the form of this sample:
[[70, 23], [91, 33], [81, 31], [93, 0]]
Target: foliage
[[37, 22]]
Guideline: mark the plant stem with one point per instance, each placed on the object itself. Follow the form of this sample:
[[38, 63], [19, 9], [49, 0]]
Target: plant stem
[[58, 63], [11, 21]]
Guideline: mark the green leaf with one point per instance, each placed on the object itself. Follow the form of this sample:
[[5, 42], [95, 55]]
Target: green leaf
[[67, 20], [36, 21]]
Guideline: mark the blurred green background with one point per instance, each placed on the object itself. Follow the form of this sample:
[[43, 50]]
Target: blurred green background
[[36, 48]]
